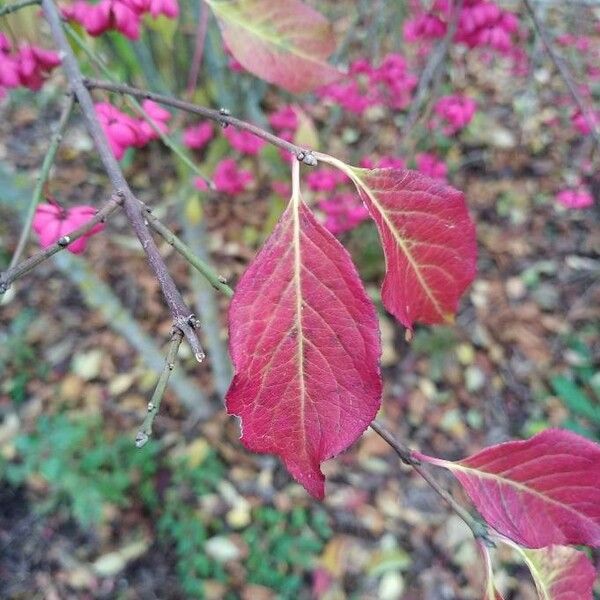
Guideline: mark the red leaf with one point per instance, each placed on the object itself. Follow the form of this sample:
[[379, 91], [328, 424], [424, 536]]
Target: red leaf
[[305, 346], [428, 239], [561, 573], [537, 492], [284, 42]]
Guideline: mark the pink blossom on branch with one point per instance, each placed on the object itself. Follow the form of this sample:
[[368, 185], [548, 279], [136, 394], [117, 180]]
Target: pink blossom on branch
[[430, 165], [244, 141], [51, 222], [343, 212]]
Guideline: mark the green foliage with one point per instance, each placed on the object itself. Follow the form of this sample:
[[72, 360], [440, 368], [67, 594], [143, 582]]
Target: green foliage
[[18, 358], [84, 469]]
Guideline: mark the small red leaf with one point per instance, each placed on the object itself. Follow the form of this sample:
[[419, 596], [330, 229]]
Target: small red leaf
[[427, 236], [428, 239], [284, 42], [305, 345], [561, 573], [537, 492]]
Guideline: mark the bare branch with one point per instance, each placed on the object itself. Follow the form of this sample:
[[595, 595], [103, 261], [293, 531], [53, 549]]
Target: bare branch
[[220, 116], [9, 8], [143, 435], [563, 70], [42, 178], [477, 526], [183, 318]]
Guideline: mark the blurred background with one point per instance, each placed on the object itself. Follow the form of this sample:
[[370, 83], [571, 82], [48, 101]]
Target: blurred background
[[85, 514]]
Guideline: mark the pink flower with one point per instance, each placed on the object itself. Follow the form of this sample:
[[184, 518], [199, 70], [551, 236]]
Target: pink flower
[[200, 184], [284, 118], [121, 130], [197, 136], [575, 198], [159, 116], [229, 179], [457, 111], [51, 222], [431, 165], [29, 66], [343, 212], [168, 8], [324, 180], [244, 141], [582, 124]]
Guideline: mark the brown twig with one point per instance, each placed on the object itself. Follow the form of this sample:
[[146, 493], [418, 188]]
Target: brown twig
[[477, 526], [9, 8], [14, 273], [220, 116], [563, 71], [183, 318]]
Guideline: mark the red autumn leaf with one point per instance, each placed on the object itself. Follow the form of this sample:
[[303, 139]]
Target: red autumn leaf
[[305, 345], [537, 492], [428, 239], [561, 573], [284, 42]]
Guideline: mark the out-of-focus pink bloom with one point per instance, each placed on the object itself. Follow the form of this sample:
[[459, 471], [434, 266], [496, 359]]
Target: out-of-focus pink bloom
[[582, 124], [324, 180], [431, 165], [29, 66], [168, 8], [424, 27], [121, 130], [383, 162], [159, 116], [575, 198], [197, 136], [284, 119], [244, 141], [282, 188], [52, 222], [200, 184], [229, 179], [343, 212], [457, 111]]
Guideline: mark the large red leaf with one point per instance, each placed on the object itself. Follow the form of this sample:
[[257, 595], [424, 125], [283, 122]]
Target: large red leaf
[[284, 42], [561, 573], [537, 492], [428, 239], [305, 345]]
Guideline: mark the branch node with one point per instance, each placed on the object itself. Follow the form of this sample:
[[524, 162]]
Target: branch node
[[141, 439], [307, 158], [63, 241]]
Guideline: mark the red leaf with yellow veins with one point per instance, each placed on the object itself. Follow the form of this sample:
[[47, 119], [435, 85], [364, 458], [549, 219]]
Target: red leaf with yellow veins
[[561, 573], [305, 345], [284, 42], [428, 239], [538, 492]]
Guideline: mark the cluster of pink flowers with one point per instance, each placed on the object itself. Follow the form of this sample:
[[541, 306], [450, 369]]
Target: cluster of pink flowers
[[390, 84], [228, 178], [121, 15], [455, 112], [244, 141], [430, 165], [28, 66], [197, 136], [575, 198], [124, 131], [582, 123], [481, 23], [51, 222]]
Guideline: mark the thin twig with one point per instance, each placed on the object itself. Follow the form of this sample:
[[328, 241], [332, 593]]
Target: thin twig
[[164, 138], [563, 71], [201, 29], [143, 435], [220, 116], [478, 527], [183, 318], [42, 178], [431, 72], [9, 8], [17, 271], [202, 267]]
